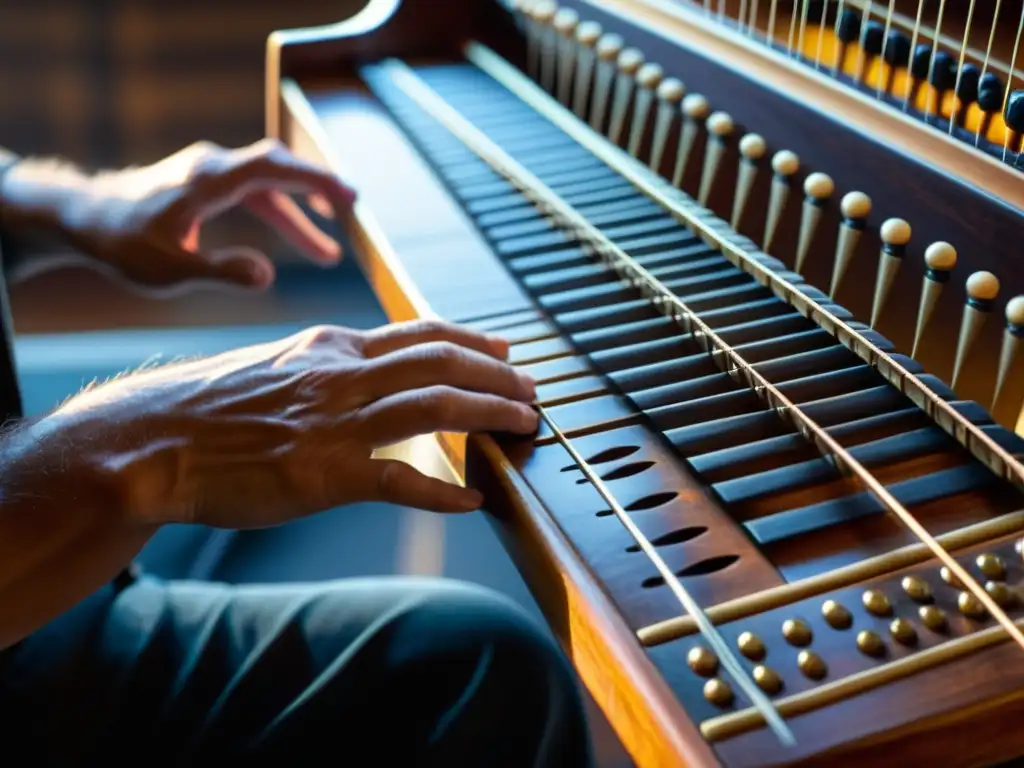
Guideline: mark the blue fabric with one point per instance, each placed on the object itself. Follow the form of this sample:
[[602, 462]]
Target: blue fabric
[[392, 671]]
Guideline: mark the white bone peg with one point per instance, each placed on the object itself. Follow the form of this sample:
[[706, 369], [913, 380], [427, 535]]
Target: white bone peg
[[695, 109], [1013, 341], [670, 94], [648, 78], [939, 259], [565, 23], [720, 126], [895, 234], [543, 13], [629, 63], [855, 207], [587, 35], [784, 165], [752, 150], [608, 49], [982, 290], [818, 188]]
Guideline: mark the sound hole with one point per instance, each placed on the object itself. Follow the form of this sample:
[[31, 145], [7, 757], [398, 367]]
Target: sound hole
[[675, 537], [702, 568], [609, 454], [647, 502], [652, 501], [620, 472]]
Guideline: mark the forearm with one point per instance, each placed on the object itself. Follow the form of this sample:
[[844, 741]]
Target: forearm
[[61, 534]]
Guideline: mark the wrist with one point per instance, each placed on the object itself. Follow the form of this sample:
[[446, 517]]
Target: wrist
[[46, 463]]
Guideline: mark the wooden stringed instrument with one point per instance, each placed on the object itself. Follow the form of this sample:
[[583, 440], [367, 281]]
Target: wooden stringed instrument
[[764, 259]]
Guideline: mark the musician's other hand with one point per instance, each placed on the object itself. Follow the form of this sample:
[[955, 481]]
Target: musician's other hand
[[143, 223], [263, 434]]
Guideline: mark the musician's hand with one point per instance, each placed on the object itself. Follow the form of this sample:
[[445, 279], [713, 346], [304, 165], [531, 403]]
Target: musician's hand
[[143, 223], [263, 434]]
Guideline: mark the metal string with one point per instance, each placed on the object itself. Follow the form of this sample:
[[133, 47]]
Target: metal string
[[984, 65], [957, 104], [422, 94], [1009, 80]]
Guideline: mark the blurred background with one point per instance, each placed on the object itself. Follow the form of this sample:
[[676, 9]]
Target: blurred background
[[109, 83]]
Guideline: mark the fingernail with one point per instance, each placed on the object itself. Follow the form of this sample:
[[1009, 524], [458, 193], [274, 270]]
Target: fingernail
[[530, 419], [499, 345], [471, 500], [528, 385]]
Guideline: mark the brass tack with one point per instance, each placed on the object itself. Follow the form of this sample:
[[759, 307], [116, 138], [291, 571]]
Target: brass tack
[[811, 664], [702, 661], [917, 589], [870, 643], [950, 578], [767, 679], [796, 632], [877, 603], [991, 566], [903, 631], [933, 617], [836, 614], [1004, 596], [718, 692], [750, 645], [970, 605]]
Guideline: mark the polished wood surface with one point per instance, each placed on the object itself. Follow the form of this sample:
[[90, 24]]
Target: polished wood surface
[[424, 255]]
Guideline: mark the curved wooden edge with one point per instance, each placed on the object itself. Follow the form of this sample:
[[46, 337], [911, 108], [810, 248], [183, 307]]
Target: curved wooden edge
[[610, 660], [608, 657]]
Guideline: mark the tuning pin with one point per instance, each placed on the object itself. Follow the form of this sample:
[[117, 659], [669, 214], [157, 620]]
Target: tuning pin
[[939, 260], [784, 165], [720, 127], [608, 49], [1014, 117], [648, 78], [847, 31], [695, 109], [818, 188], [587, 35], [855, 207], [982, 289], [872, 39], [752, 149], [942, 79], [629, 63], [1013, 340], [990, 100], [896, 54], [966, 93], [565, 23], [895, 234], [670, 94], [543, 13]]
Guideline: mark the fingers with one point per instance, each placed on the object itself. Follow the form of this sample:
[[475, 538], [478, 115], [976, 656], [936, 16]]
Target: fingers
[[396, 482], [444, 363], [390, 338], [283, 214], [411, 413]]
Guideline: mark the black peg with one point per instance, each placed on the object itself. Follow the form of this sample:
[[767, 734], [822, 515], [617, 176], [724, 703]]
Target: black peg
[[966, 92], [1014, 117], [897, 56], [943, 78], [848, 31], [920, 64], [871, 39], [990, 99]]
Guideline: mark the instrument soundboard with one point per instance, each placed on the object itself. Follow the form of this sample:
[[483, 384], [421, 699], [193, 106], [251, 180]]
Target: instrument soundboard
[[764, 264]]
